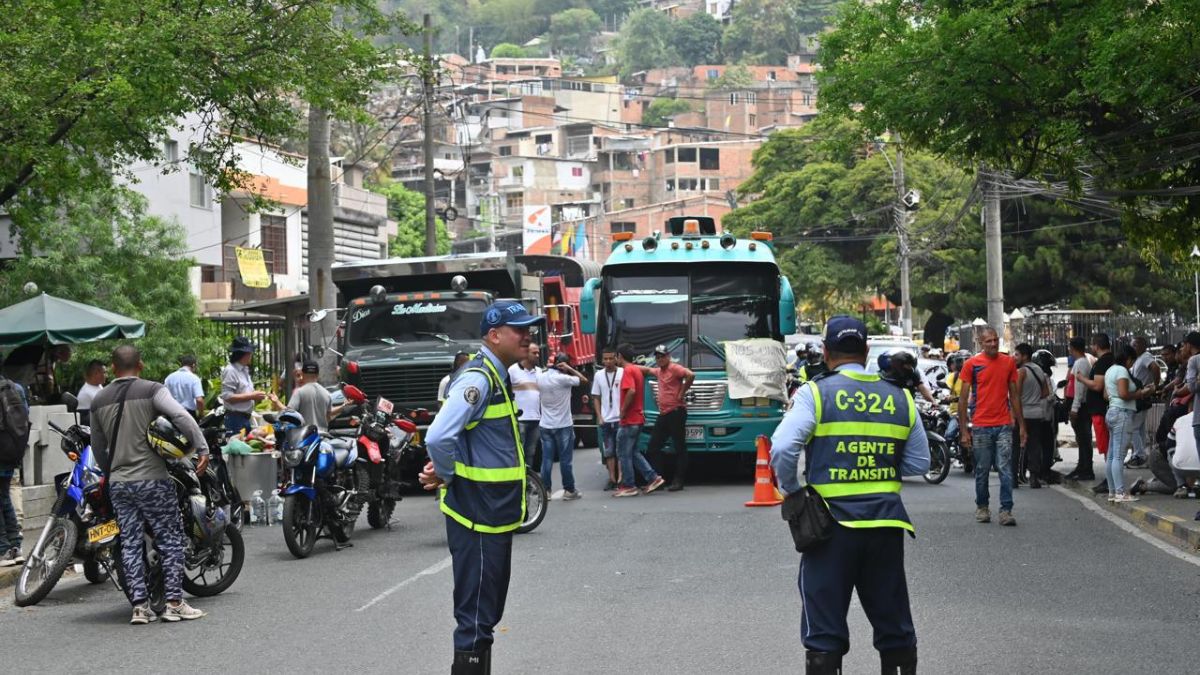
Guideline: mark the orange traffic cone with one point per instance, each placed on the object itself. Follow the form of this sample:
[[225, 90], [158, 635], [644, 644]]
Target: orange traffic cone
[[765, 493]]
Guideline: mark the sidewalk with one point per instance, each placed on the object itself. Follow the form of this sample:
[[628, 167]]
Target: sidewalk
[[1173, 519]]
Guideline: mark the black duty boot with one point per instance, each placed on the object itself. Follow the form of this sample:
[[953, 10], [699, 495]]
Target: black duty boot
[[899, 661], [822, 663], [477, 662]]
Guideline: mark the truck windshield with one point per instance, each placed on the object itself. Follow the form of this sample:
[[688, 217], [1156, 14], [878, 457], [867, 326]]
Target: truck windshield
[[692, 314], [416, 320], [648, 311]]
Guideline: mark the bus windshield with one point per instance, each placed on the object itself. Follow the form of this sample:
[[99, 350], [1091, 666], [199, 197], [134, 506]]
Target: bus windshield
[[691, 314], [415, 321]]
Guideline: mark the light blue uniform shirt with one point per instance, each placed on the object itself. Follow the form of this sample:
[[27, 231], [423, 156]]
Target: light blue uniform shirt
[[185, 387], [792, 434], [456, 413]]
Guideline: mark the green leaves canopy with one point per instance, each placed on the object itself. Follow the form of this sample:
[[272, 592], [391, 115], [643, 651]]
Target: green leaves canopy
[[407, 208], [91, 86], [645, 42]]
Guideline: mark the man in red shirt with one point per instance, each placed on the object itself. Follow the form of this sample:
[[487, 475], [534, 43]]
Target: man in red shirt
[[990, 387], [673, 383], [633, 463]]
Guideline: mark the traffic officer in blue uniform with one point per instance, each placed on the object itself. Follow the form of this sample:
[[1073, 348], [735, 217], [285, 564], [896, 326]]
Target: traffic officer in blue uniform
[[478, 467], [861, 435]]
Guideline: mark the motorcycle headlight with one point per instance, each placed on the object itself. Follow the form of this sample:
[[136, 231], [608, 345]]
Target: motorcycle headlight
[[293, 456]]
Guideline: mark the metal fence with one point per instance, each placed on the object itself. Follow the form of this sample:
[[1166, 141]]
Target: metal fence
[[271, 360], [1053, 330]]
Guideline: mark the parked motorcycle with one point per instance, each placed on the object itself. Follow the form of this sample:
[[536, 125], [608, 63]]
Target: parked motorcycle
[[319, 499], [224, 491], [387, 452], [935, 417]]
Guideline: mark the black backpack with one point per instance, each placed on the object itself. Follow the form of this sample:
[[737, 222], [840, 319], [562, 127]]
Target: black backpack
[[14, 423]]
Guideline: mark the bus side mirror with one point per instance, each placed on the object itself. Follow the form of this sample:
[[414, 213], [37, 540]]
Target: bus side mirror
[[587, 306], [787, 307]]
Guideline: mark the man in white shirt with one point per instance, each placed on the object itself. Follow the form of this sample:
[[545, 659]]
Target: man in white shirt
[[524, 378], [185, 386], [93, 381], [557, 425], [606, 402]]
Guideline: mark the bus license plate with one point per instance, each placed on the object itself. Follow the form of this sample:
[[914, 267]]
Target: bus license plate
[[694, 433], [103, 531]]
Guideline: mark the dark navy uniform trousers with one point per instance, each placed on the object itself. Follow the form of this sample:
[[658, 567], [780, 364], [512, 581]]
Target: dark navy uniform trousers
[[482, 563], [870, 560]]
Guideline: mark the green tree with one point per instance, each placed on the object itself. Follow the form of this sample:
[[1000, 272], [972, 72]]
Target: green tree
[[101, 249], [645, 43], [660, 109], [507, 50], [572, 31], [88, 88], [1040, 88], [407, 208], [735, 78], [698, 39], [515, 21], [767, 31]]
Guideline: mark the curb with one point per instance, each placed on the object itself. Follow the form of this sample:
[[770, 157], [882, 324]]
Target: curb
[[8, 575], [1185, 533]]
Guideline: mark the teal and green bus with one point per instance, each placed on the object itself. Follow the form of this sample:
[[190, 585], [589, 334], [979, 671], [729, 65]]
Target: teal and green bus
[[692, 290]]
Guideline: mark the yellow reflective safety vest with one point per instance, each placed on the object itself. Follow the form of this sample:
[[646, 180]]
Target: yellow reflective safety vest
[[855, 451], [488, 491]]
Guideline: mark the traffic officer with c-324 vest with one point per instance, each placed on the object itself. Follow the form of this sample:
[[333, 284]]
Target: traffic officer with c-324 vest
[[861, 434], [478, 467]]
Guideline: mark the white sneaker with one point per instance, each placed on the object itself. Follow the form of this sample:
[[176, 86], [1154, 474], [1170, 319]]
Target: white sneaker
[[181, 612], [569, 496], [557, 495], [1125, 499], [142, 615]]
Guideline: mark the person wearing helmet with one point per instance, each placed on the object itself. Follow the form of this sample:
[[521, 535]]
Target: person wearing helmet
[[899, 367], [814, 363], [135, 424]]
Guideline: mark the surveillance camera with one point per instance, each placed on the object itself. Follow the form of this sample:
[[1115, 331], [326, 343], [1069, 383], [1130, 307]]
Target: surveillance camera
[[912, 199]]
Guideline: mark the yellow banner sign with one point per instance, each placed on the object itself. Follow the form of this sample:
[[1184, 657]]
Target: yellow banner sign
[[252, 267]]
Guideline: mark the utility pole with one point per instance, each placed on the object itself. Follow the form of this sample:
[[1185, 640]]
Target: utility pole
[[991, 237], [321, 293], [427, 80], [900, 213]]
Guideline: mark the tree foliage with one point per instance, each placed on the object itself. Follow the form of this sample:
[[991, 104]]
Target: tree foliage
[[102, 250], [645, 42], [407, 208], [697, 38], [572, 31], [660, 109], [766, 31], [89, 87], [515, 21], [1102, 94], [507, 50]]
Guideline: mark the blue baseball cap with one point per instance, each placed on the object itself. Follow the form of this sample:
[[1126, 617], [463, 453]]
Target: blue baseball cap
[[845, 334], [507, 313]]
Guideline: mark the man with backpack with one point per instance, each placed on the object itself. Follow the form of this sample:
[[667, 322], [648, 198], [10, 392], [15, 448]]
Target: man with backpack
[[14, 439]]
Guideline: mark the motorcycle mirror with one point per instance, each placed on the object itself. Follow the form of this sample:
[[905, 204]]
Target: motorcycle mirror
[[354, 393], [317, 315], [70, 401]]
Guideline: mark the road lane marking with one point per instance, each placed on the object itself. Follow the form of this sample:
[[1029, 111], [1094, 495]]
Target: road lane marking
[[432, 569], [1128, 527]]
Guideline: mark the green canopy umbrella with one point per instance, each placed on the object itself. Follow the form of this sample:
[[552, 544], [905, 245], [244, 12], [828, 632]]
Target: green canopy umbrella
[[47, 320]]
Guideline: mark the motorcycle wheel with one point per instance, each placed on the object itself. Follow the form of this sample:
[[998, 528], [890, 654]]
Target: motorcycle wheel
[[301, 524], [222, 567], [93, 572], [939, 463], [379, 513], [536, 502], [46, 563]]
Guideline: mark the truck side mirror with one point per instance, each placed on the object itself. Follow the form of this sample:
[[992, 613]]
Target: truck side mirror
[[787, 307], [587, 306]]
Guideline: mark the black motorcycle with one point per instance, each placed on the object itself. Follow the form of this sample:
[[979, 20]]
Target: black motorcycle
[[224, 492], [935, 417]]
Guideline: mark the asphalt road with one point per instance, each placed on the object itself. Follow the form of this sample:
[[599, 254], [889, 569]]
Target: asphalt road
[[689, 582]]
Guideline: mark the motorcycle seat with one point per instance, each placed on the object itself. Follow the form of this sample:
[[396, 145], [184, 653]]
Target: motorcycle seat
[[344, 451]]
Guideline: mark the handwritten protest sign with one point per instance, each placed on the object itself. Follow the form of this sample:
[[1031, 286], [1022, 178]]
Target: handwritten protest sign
[[756, 368]]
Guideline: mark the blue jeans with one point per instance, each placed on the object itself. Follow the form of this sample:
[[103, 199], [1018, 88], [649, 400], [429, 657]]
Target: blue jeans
[[608, 439], [993, 445], [1137, 431], [1120, 430], [631, 460], [558, 444], [236, 421], [952, 428]]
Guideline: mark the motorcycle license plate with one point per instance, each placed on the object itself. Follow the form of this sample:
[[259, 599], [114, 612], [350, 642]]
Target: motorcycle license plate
[[693, 433], [103, 532], [384, 406]]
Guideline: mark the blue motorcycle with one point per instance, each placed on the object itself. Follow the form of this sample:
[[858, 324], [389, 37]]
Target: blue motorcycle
[[321, 498]]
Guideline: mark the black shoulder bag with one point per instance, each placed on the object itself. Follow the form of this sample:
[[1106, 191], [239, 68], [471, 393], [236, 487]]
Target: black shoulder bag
[[104, 459], [1142, 403], [808, 518]]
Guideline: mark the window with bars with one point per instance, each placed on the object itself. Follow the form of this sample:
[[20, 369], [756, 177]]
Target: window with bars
[[622, 226], [514, 200], [273, 233]]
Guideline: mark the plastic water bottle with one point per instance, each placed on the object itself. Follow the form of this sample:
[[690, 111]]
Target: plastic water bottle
[[258, 509], [276, 507]]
